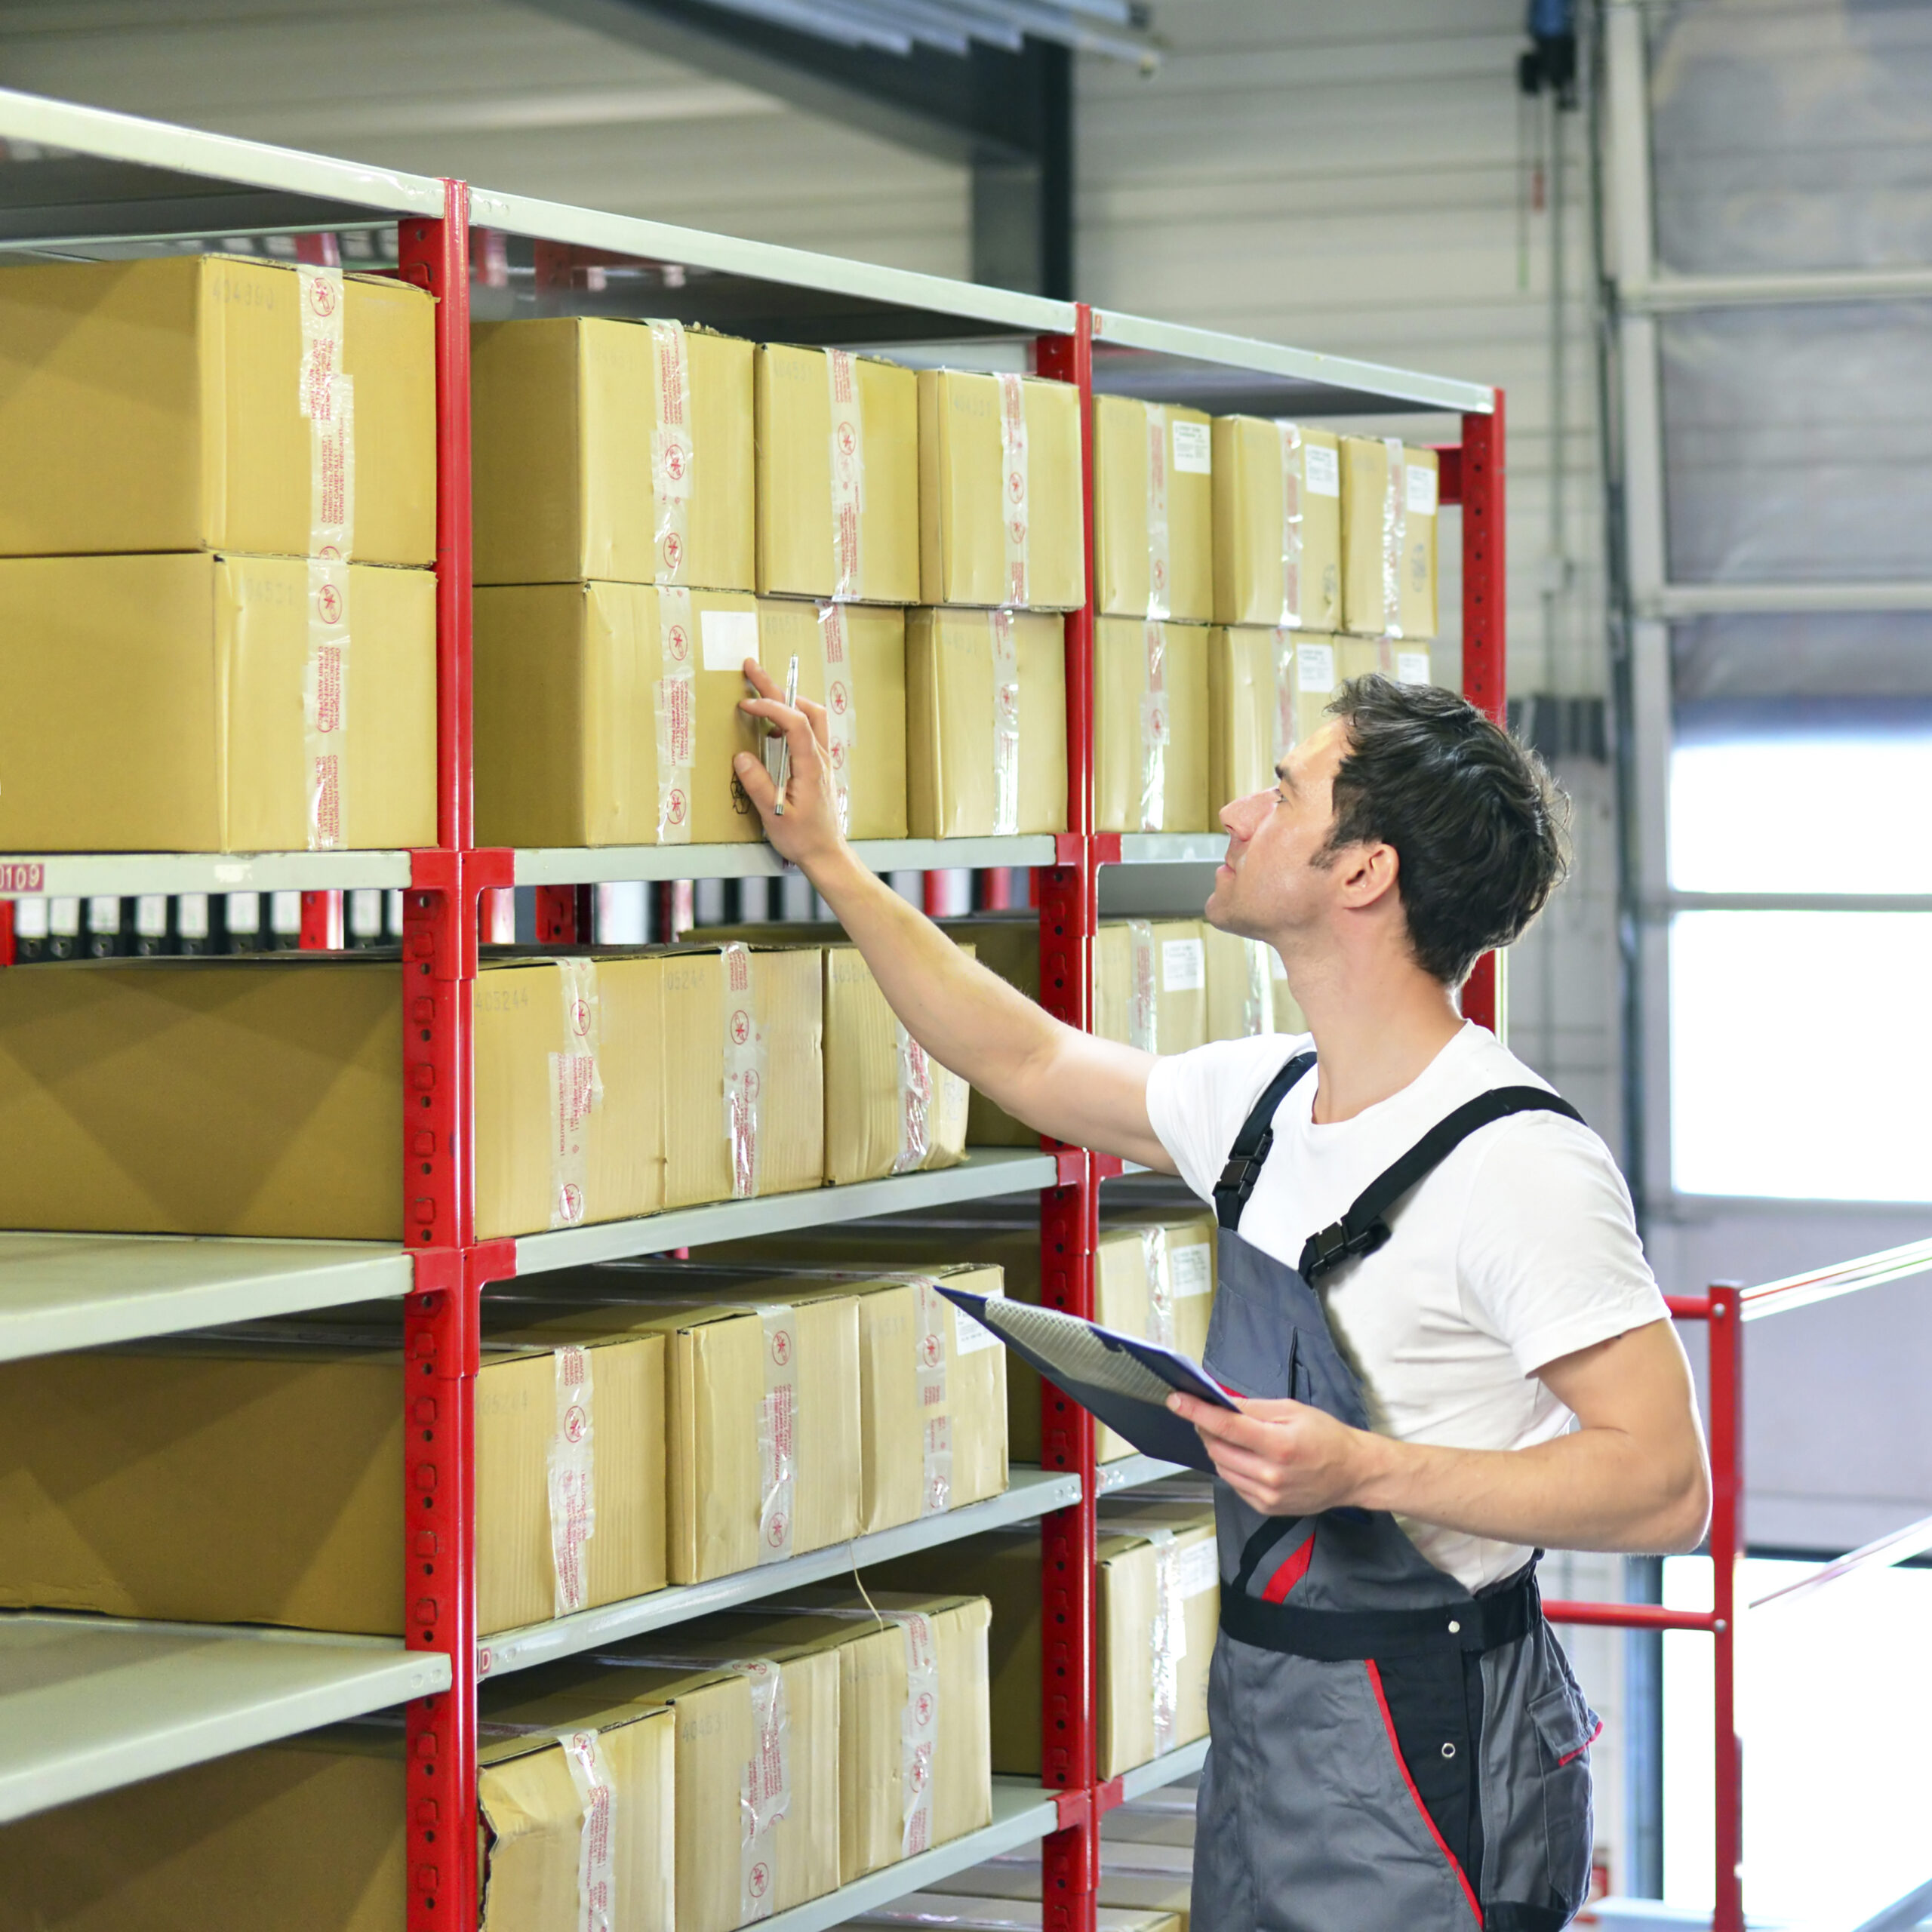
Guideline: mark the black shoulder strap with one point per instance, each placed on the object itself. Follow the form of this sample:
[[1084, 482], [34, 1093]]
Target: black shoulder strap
[[1252, 1143], [1362, 1230]]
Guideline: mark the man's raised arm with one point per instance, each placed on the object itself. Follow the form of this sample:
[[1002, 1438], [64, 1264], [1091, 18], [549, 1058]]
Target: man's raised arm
[[1090, 1092]]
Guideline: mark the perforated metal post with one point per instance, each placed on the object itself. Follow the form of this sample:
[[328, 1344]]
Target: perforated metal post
[[1727, 1423], [1480, 485]]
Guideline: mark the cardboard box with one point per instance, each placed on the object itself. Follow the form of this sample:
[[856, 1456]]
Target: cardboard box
[[194, 404], [852, 660], [985, 723], [1154, 1278], [760, 1732], [607, 713], [1001, 515], [837, 476], [1153, 510], [932, 1421], [1405, 661], [611, 449], [914, 1760], [972, 1914], [1278, 525], [156, 702], [744, 1092], [257, 1477], [1157, 1614], [1389, 497], [259, 1096], [1247, 990], [1150, 984], [569, 1055], [1150, 726], [1008, 943]]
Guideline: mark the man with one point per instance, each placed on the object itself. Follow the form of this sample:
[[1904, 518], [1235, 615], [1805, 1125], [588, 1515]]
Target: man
[[1432, 1305]]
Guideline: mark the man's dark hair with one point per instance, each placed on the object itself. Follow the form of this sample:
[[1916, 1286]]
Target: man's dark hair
[[1480, 827]]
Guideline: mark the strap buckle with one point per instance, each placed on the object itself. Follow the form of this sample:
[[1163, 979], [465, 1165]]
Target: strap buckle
[[1239, 1178], [1334, 1245]]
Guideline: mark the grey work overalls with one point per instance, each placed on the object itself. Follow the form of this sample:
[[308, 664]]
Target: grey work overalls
[[1390, 1754]]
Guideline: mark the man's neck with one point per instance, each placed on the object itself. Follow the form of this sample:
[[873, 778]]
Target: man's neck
[[1375, 1031]]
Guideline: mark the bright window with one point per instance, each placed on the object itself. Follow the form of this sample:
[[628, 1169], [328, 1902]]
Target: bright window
[[1835, 1704]]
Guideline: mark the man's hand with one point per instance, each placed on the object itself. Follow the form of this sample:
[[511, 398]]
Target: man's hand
[[1285, 1459], [806, 831]]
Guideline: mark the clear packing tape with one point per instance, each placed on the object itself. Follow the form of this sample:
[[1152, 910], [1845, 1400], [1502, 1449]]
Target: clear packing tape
[[676, 712], [744, 1070], [572, 1476], [327, 398], [672, 453], [1168, 1639], [935, 1410], [764, 1789], [842, 715], [918, 1079], [1292, 513], [1156, 1259], [1395, 535], [848, 470], [1155, 729], [1160, 555], [576, 1092], [1015, 484], [1006, 723], [918, 1732], [1143, 1005], [596, 1846], [777, 1433]]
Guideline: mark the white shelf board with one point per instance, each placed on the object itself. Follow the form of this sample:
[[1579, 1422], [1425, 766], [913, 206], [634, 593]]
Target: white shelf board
[[117, 176], [1132, 1471], [1162, 1770], [1022, 1814], [79, 875], [1032, 1493], [986, 1172], [1333, 384], [596, 865], [87, 1704], [61, 1291], [1173, 848]]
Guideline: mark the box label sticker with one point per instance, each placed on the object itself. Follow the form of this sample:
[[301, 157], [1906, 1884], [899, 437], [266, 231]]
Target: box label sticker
[[1421, 489], [729, 637], [1194, 449], [1412, 667], [1314, 669], [1183, 965], [1324, 470], [1196, 1571], [970, 1336], [1192, 1269]]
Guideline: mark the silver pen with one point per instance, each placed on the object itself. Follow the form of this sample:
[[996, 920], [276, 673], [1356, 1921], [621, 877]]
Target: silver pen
[[784, 772]]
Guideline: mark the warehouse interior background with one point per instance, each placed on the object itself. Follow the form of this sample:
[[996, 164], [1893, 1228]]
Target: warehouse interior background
[[1376, 180]]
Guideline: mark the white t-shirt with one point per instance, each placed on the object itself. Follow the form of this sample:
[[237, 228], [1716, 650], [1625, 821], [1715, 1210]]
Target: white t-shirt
[[1520, 1247]]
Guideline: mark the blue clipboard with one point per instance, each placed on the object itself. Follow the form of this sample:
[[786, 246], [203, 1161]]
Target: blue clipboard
[[1125, 1382]]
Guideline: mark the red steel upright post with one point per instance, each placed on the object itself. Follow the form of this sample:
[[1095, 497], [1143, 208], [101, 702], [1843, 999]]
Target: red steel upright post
[[440, 1341], [1726, 1400], [1069, 1219], [1485, 682]]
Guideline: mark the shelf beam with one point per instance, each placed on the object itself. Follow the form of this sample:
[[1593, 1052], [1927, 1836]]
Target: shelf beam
[[607, 864], [127, 874]]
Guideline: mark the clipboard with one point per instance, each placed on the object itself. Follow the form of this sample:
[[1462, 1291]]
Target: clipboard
[[1123, 1381]]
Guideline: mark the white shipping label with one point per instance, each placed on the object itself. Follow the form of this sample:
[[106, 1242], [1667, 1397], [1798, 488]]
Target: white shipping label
[[1314, 669], [1412, 667], [765, 1791], [969, 1336], [1183, 965], [1194, 449], [1196, 1572], [777, 1432], [730, 638], [596, 1845], [1324, 470], [1421, 488], [1192, 1268], [572, 1480]]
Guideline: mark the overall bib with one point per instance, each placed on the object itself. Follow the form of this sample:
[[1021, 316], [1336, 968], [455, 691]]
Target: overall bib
[[1391, 1753]]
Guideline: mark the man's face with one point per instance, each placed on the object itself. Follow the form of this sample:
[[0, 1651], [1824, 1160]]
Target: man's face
[[1269, 887]]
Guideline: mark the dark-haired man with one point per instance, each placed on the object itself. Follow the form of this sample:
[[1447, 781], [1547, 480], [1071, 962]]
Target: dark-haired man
[[1431, 1302]]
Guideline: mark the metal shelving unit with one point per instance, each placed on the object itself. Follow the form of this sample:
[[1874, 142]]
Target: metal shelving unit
[[105, 185], [1135, 1472]]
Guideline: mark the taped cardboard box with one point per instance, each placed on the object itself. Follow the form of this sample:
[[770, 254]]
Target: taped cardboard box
[[1150, 704], [1278, 525], [1153, 510], [207, 403], [1267, 690], [1389, 497], [852, 660], [890, 1107], [914, 1764], [744, 1092], [756, 1764], [1247, 988], [259, 1096], [569, 1055], [1001, 509], [837, 476], [970, 1915], [1150, 984], [611, 449], [985, 723], [607, 713], [257, 1477], [1404, 661], [1008, 944], [1156, 1618], [212, 703]]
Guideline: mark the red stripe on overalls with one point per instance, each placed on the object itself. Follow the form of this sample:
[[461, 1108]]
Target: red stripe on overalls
[[1290, 1573], [1402, 1765]]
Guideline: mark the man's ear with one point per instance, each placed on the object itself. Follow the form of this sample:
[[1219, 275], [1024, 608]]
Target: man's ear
[[1369, 873]]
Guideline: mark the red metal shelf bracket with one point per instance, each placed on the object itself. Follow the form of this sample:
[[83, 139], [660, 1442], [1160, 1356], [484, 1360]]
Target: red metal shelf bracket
[[1478, 476]]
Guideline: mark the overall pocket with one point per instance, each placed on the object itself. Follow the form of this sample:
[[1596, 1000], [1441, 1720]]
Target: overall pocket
[[1566, 1727]]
